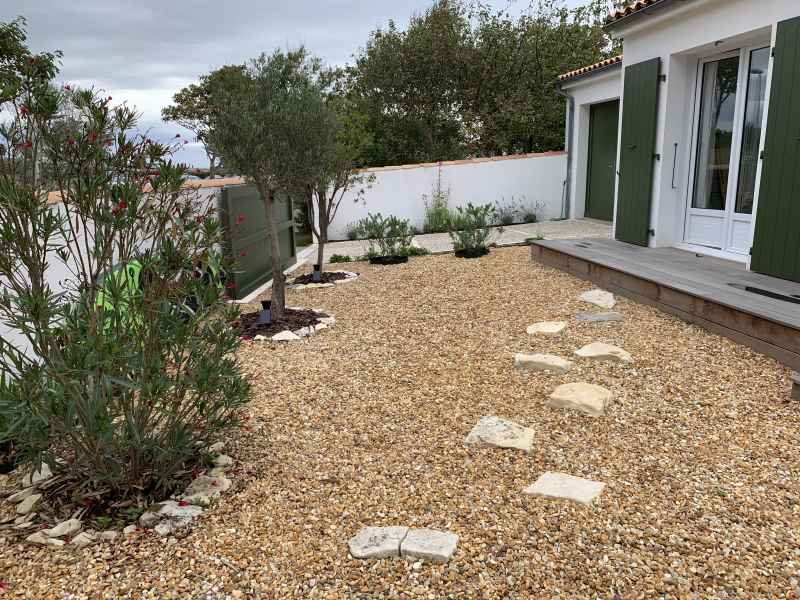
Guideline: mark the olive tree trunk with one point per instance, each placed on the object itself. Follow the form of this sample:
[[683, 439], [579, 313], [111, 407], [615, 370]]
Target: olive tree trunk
[[278, 282]]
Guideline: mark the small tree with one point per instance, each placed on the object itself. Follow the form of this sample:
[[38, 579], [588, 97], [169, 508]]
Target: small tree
[[344, 137], [113, 281], [269, 122], [192, 110]]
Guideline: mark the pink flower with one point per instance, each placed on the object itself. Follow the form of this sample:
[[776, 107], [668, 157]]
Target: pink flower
[[183, 503], [67, 88]]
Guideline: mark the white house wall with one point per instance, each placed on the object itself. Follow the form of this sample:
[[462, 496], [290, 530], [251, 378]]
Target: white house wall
[[679, 36], [530, 180], [605, 86]]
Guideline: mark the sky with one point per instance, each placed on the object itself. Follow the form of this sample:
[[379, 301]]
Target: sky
[[143, 51]]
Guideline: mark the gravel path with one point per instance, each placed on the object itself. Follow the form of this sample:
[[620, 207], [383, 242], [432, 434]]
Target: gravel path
[[364, 425], [513, 234]]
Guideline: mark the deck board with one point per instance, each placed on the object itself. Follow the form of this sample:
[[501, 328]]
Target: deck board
[[702, 276]]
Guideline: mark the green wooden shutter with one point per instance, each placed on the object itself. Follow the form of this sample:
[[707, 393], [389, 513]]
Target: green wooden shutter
[[776, 244], [637, 151]]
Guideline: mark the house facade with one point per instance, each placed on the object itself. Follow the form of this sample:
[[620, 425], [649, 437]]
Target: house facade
[[691, 138]]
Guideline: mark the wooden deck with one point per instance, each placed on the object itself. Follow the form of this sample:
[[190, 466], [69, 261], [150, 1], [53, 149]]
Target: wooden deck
[[759, 311]]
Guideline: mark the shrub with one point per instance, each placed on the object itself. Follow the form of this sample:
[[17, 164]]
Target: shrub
[[529, 216], [505, 214], [134, 369], [340, 258], [437, 212], [472, 228], [388, 236], [352, 231]]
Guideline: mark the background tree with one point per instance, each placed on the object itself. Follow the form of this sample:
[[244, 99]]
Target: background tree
[[465, 80], [343, 142], [192, 110], [409, 85], [268, 123]]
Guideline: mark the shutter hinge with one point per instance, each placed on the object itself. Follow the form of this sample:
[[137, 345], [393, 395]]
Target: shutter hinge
[[762, 155], [651, 232], [773, 52], [657, 156], [662, 77]]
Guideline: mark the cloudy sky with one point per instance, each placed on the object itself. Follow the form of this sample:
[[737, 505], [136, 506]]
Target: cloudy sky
[[143, 51]]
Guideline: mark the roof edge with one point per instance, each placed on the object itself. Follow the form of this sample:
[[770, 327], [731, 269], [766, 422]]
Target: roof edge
[[599, 67]]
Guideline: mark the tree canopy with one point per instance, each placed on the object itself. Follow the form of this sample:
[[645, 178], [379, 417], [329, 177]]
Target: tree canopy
[[465, 80]]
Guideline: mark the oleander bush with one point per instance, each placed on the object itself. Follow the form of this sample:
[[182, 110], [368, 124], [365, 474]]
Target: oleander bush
[[126, 367]]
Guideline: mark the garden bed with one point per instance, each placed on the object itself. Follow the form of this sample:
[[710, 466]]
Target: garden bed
[[700, 454], [293, 319]]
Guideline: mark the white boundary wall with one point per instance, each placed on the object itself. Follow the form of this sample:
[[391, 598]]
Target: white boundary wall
[[528, 179]]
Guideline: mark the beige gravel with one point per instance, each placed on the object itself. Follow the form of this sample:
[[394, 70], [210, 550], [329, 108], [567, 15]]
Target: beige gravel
[[364, 424]]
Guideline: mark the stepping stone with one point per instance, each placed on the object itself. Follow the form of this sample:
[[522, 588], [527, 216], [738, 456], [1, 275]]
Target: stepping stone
[[501, 433], [285, 336], [600, 298], [541, 362], [377, 542], [603, 317], [547, 328], [601, 351], [429, 545], [587, 398], [561, 486]]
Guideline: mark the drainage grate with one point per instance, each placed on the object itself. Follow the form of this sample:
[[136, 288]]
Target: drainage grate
[[794, 298]]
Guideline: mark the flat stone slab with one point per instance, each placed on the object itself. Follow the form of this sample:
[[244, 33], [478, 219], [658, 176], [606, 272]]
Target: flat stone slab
[[587, 398], [547, 328], [602, 317], [205, 489], [377, 542], [598, 297], [541, 362], [500, 433], [601, 351], [429, 545], [43, 474], [561, 486]]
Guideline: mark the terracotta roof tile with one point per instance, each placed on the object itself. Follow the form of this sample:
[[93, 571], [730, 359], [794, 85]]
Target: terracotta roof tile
[[603, 64], [629, 9]]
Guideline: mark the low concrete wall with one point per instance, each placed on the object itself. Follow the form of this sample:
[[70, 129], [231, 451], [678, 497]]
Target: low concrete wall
[[529, 180]]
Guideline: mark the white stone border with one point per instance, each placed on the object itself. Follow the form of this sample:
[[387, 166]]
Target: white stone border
[[292, 336]]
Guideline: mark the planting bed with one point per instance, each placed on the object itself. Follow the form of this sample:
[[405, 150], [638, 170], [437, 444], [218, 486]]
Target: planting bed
[[292, 319], [699, 453]]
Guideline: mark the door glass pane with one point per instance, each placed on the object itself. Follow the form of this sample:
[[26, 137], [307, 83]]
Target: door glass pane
[[715, 137], [751, 137]]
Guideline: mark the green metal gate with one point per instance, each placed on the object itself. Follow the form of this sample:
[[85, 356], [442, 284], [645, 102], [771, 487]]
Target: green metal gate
[[600, 178], [637, 152], [776, 243], [247, 239]]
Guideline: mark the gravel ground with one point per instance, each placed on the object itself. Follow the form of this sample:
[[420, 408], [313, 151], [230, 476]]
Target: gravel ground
[[364, 425], [512, 234]]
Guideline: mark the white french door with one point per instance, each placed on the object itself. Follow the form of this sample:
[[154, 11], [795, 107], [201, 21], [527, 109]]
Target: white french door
[[731, 91]]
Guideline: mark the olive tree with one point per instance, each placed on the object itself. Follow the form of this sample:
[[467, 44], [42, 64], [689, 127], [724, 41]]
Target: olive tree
[[343, 136], [268, 123]]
